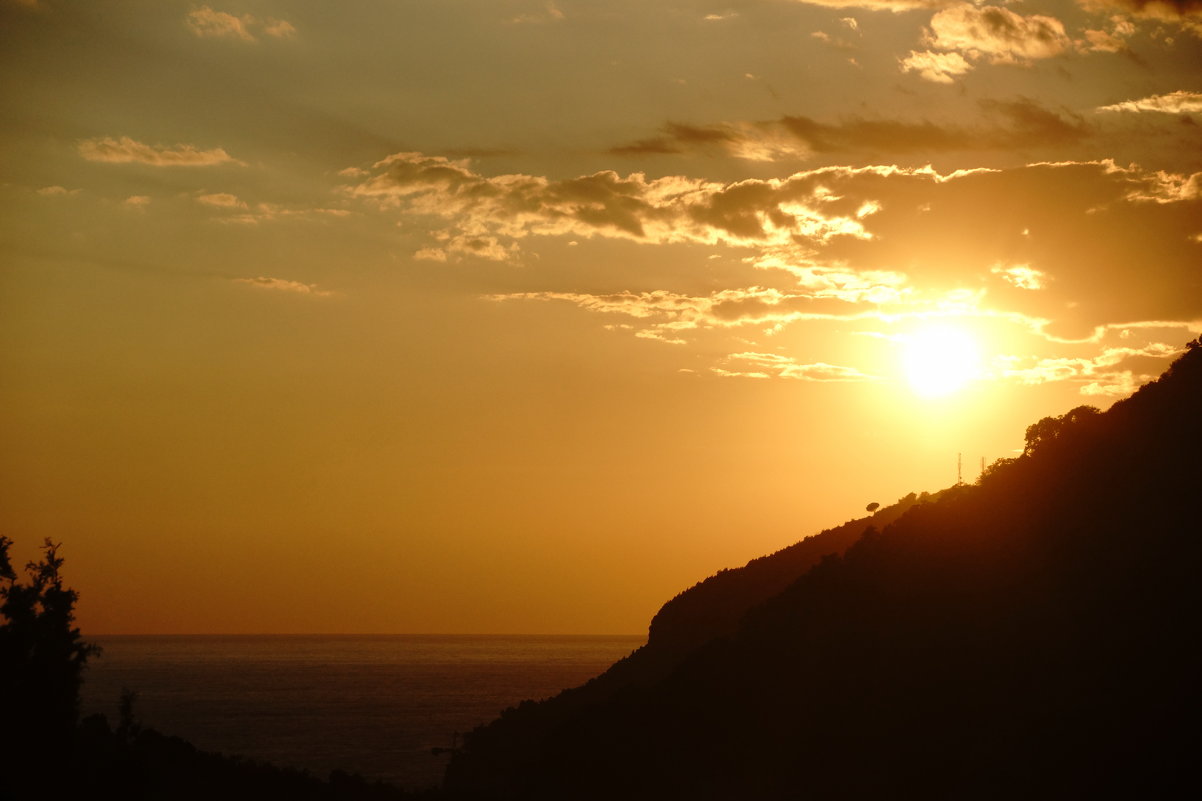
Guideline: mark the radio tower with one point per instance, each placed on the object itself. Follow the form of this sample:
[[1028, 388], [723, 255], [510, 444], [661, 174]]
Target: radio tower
[[959, 469]]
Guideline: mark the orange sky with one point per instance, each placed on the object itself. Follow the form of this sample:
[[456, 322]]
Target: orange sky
[[488, 316]]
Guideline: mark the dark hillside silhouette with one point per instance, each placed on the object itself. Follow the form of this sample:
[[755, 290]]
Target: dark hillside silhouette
[[1031, 636], [710, 609]]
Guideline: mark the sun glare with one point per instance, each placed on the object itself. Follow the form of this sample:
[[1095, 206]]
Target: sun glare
[[940, 361]]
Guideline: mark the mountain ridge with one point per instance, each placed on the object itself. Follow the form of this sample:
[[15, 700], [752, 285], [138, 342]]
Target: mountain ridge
[[1007, 637]]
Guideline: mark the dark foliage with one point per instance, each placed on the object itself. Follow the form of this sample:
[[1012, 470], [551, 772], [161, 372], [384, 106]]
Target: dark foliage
[[133, 762], [45, 753], [1033, 636], [41, 662]]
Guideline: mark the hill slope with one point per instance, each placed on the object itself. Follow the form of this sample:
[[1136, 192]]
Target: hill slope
[[1033, 635], [709, 610]]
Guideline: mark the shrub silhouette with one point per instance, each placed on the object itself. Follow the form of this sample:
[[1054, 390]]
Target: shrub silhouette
[[47, 753], [42, 658]]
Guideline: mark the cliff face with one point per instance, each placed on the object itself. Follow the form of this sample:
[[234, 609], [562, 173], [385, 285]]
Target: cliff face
[[1035, 634]]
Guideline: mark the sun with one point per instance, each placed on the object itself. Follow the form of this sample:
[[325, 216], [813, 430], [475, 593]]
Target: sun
[[940, 360]]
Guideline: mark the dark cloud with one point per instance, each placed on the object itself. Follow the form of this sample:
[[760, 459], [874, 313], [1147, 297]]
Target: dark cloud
[[1160, 9], [677, 138], [1030, 124], [1007, 125], [656, 146]]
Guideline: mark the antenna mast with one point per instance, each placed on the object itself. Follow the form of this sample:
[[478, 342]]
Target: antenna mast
[[959, 469]]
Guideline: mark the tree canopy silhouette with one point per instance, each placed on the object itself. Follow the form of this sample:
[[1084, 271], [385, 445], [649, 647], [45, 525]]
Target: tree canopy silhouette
[[42, 657]]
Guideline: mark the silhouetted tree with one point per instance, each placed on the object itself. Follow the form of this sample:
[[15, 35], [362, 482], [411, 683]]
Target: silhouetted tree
[[1050, 429], [41, 661]]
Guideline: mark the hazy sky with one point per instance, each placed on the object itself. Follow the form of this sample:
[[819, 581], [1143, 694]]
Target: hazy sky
[[492, 316]]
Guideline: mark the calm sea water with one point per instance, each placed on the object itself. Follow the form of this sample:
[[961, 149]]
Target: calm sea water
[[374, 705]]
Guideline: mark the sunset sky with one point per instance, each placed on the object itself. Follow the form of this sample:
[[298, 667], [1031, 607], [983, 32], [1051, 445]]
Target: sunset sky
[[489, 316]]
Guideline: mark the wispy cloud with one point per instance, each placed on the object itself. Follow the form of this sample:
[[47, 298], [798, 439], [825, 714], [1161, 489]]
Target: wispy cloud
[[279, 28], [58, 191], [273, 212], [207, 22], [284, 285], [822, 294], [1096, 374], [1165, 187], [774, 365], [235, 210], [847, 37], [222, 200], [129, 151], [1179, 102], [1022, 276], [1007, 125], [895, 6], [550, 12]]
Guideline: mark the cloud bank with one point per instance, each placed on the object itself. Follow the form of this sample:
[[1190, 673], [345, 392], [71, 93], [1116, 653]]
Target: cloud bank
[[1054, 251], [1007, 125]]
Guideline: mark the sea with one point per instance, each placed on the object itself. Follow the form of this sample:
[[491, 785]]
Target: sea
[[374, 705]]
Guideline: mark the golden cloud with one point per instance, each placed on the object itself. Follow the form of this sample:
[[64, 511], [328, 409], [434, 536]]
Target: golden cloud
[[1095, 374], [222, 200], [662, 210], [206, 22], [856, 243], [129, 151], [1112, 41], [1179, 102], [774, 365], [666, 315], [997, 34], [284, 285], [936, 67], [58, 191], [1022, 276], [269, 212]]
